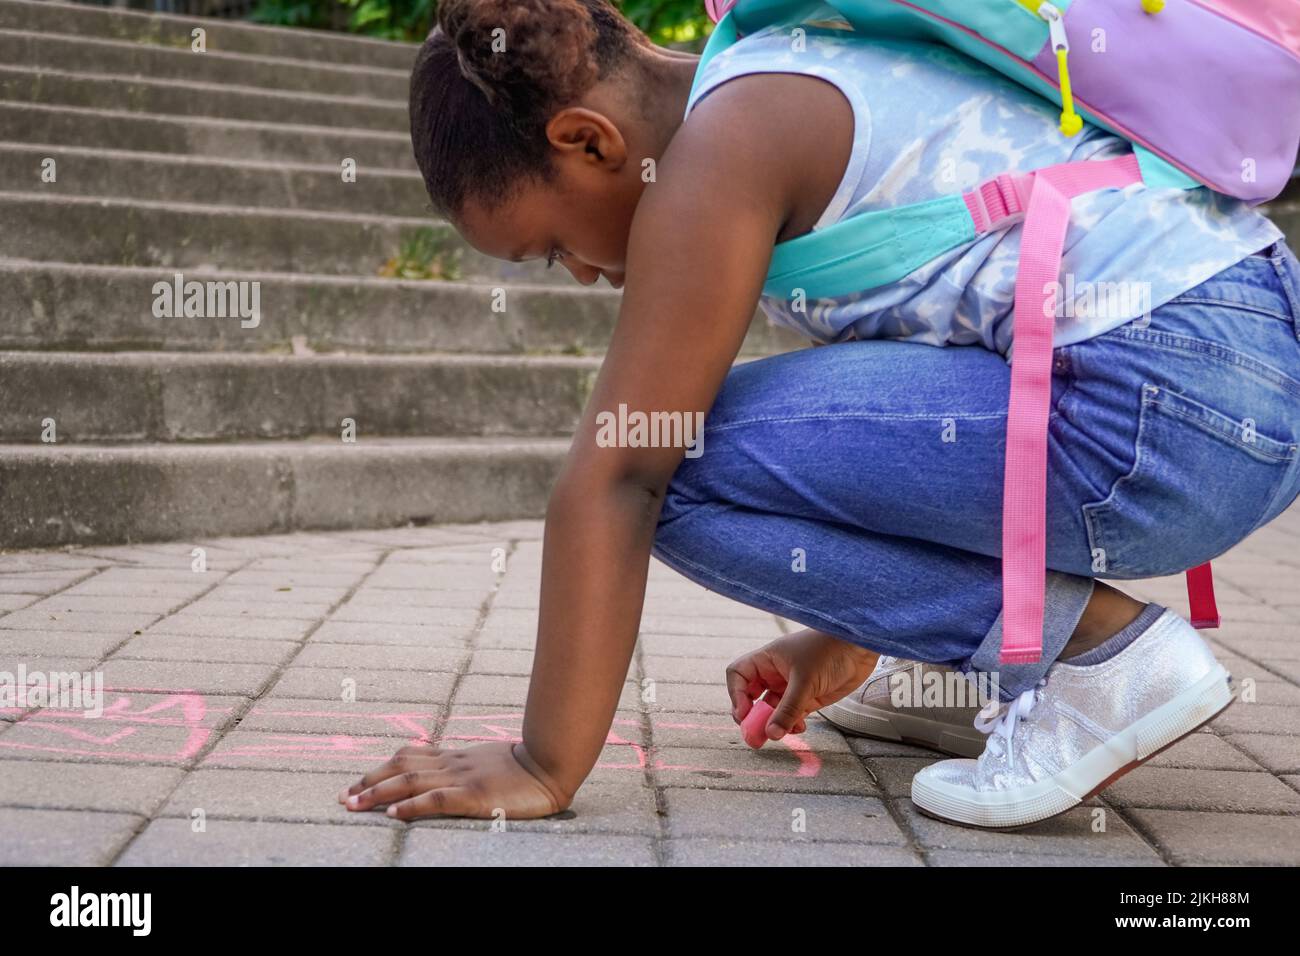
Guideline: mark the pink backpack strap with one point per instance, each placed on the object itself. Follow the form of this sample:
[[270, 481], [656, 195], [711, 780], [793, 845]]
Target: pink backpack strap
[[1042, 200], [717, 9]]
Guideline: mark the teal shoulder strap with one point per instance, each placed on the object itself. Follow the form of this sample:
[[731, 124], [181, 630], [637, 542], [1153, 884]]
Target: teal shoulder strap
[[879, 247]]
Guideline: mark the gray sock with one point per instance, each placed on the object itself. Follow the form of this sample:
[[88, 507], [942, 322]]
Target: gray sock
[[1116, 643]]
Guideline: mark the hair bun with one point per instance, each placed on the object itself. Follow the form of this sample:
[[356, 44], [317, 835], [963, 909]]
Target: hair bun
[[513, 50]]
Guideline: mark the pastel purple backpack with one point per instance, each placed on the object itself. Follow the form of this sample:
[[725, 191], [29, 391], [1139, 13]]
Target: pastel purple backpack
[[1208, 93]]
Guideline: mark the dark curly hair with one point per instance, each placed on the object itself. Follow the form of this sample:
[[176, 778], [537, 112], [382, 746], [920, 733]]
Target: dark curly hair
[[488, 79]]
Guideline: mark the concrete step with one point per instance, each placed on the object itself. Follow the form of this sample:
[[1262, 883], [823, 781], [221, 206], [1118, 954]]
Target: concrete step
[[56, 51], [223, 35], [54, 305], [102, 91], [197, 136], [167, 396], [164, 177], [54, 495], [174, 236]]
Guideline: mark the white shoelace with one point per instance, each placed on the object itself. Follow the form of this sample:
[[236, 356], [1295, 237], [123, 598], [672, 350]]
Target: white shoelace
[[1002, 723]]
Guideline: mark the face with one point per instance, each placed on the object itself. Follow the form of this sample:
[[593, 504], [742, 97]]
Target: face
[[581, 218]]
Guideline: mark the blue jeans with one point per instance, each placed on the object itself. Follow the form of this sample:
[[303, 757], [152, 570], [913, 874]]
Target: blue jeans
[[857, 488]]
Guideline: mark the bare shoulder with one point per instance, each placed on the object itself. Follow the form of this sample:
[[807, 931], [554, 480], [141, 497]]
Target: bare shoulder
[[784, 136]]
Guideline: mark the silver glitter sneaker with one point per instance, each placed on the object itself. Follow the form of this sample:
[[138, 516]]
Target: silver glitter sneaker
[[894, 704], [1081, 729]]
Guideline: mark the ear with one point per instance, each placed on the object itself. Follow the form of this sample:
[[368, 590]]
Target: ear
[[585, 136]]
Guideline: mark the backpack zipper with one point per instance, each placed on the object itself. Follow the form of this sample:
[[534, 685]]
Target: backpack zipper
[[1071, 122]]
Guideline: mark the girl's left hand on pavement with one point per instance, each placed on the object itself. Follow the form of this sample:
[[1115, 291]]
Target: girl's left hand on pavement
[[480, 781]]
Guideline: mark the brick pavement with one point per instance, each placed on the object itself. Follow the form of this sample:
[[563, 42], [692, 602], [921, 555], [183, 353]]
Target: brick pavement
[[241, 698]]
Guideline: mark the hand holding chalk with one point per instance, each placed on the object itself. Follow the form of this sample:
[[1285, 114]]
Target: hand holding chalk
[[754, 727]]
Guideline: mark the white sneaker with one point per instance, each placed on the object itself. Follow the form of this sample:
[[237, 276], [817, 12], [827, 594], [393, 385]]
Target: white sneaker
[[873, 710], [1081, 729]]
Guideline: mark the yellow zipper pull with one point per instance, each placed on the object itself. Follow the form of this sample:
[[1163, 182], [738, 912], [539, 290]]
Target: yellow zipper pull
[[1071, 122], [1153, 6]]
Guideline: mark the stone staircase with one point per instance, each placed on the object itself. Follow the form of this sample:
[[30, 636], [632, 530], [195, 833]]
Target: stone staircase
[[226, 166]]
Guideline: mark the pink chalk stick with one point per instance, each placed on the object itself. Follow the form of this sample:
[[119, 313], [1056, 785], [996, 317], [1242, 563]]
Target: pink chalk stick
[[754, 727]]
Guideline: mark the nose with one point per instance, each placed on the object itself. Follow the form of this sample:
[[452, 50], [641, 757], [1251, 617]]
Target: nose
[[585, 274]]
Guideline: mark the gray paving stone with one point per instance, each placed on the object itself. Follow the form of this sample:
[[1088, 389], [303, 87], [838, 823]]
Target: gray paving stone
[[135, 728], [87, 786], [202, 625], [803, 817], [738, 853], [269, 795], [133, 606], [225, 650], [365, 684], [382, 657], [13, 663], [464, 617], [1070, 834], [1192, 838], [448, 847], [317, 753], [12, 602], [1273, 752], [254, 576], [259, 610], [1014, 858], [685, 729], [440, 577], [291, 715], [498, 639], [427, 635], [774, 768], [870, 747], [40, 583], [277, 594], [45, 620], [239, 843], [1231, 791], [512, 690], [502, 661], [894, 774], [608, 804], [721, 649], [244, 680], [1244, 718], [63, 837], [1204, 751], [422, 598], [684, 670]]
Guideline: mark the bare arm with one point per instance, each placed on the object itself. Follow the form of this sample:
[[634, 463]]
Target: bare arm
[[728, 185]]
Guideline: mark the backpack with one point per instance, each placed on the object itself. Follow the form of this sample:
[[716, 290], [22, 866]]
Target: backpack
[[1206, 91]]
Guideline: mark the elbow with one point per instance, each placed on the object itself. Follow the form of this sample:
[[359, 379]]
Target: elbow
[[578, 493]]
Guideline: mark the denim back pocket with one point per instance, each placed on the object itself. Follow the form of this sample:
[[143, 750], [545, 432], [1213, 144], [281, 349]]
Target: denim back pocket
[[1200, 483]]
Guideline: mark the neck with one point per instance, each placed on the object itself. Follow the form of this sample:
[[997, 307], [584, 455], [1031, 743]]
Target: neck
[[669, 75]]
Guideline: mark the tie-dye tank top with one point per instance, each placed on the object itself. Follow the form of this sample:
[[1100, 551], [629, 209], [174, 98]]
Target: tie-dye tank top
[[930, 121]]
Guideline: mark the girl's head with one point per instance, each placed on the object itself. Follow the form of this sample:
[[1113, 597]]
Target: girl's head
[[530, 120]]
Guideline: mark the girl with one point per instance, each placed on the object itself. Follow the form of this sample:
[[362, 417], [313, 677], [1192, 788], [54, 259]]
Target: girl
[[1173, 432]]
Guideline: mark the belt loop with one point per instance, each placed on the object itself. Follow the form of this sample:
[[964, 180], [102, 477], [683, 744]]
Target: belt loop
[[1288, 274]]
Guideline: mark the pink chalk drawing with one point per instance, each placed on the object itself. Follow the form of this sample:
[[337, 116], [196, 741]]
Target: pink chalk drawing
[[182, 721], [180, 724]]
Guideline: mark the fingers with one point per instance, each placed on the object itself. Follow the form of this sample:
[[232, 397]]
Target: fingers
[[742, 688], [749, 676], [414, 757], [399, 788], [790, 709], [447, 801]]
